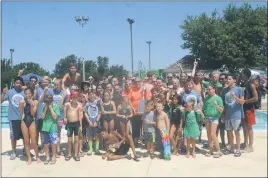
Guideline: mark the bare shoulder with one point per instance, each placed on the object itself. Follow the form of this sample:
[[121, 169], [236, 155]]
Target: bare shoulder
[[22, 101]]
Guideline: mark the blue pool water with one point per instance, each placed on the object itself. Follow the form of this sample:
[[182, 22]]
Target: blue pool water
[[261, 118]]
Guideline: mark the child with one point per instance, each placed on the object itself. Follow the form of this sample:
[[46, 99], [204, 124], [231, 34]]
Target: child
[[83, 137], [191, 129], [149, 121], [73, 118], [175, 124], [108, 112], [50, 127], [163, 125], [93, 118]]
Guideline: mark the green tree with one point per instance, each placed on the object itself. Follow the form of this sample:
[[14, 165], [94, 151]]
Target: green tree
[[103, 66], [117, 71], [9, 73], [236, 38], [62, 67]]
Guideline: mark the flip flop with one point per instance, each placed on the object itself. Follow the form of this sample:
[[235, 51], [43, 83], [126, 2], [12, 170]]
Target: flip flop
[[77, 158], [208, 154], [67, 158], [53, 162], [217, 155], [237, 154], [46, 162]]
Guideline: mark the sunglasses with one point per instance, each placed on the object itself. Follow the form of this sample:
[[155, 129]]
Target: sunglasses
[[221, 78]]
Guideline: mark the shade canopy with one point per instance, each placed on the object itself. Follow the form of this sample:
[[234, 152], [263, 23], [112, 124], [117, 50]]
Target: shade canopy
[[26, 78]]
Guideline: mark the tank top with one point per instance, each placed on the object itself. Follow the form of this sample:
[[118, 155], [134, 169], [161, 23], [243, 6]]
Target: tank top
[[247, 95]]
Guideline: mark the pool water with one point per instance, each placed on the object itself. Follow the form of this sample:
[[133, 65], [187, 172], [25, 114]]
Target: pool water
[[261, 118]]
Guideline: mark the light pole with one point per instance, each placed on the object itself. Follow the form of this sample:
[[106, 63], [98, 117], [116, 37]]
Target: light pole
[[11, 59], [149, 43], [131, 21], [82, 20]]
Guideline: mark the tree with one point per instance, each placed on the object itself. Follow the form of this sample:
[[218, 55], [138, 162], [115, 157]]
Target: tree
[[9, 73], [63, 66], [117, 71], [103, 63], [236, 39]]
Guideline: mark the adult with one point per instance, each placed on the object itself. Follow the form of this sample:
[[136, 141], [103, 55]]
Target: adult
[[148, 86], [221, 125], [72, 77], [28, 108], [233, 99], [251, 97], [189, 93], [14, 96], [59, 99], [127, 88], [197, 81], [215, 82], [91, 81], [117, 146], [41, 92], [212, 109], [135, 96], [170, 80]]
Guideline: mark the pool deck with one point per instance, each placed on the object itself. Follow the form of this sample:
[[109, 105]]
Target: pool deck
[[248, 165], [264, 105]]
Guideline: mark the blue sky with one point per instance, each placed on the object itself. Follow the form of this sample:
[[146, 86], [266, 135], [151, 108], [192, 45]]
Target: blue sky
[[45, 32]]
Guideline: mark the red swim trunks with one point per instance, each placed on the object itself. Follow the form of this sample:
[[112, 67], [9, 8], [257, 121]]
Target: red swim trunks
[[250, 117]]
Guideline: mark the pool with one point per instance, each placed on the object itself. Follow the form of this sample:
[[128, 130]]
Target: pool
[[261, 118]]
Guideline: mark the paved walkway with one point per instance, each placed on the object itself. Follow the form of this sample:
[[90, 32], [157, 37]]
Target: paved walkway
[[248, 165]]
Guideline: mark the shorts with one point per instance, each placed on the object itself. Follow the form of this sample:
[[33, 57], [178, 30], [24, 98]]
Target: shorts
[[15, 130], [39, 124], [92, 131], [73, 128], [123, 149], [149, 137], [232, 125], [60, 123], [175, 122], [250, 117], [50, 137], [212, 120]]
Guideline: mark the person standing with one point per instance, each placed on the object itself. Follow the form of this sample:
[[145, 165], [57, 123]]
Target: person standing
[[233, 99], [14, 96], [251, 97]]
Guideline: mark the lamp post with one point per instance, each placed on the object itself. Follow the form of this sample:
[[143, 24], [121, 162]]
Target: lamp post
[[131, 21], [11, 59], [82, 20], [149, 43]]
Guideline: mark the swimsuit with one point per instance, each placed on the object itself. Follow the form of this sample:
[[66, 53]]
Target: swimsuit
[[125, 112], [108, 117], [28, 118]]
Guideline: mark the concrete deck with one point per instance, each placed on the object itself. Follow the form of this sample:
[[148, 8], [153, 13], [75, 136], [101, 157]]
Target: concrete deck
[[248, 165]]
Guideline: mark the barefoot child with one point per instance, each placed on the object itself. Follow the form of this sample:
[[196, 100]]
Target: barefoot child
[[73, 118], [175, 124], [149, 121], [191, 129], [163, 125], [50, 127], [93, 118]]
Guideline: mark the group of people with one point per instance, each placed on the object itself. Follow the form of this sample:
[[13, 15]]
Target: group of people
[[118, 116]]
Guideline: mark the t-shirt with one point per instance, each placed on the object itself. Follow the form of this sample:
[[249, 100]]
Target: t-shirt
[[135, 96], [14, 97], [232, 109], [149, 116], [39, 108], [49, 123], [189, 95], [93, 110], [210, 109], [57, 97]]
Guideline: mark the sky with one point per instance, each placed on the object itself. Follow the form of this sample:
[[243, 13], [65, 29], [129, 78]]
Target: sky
[[45, 32]]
